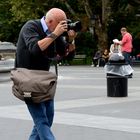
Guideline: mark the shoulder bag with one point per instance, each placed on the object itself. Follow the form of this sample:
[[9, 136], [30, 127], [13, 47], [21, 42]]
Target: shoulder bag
[[33, 85]]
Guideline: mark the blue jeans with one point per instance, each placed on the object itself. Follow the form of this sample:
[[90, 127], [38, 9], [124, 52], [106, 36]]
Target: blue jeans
[[42, 115], [127, 57]]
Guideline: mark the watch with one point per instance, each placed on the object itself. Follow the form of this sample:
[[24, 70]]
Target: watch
[[52, 35]]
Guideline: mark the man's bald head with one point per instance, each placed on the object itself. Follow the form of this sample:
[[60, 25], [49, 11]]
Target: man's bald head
[[56, 13]]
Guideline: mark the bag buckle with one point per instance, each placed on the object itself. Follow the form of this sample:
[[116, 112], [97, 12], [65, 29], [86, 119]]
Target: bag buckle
[[27, 95]]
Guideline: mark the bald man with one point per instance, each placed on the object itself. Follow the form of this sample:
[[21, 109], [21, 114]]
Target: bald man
[[35, 48]]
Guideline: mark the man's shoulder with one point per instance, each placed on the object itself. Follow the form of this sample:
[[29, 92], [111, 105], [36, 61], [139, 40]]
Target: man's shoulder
[[128, 35], [33, 22]]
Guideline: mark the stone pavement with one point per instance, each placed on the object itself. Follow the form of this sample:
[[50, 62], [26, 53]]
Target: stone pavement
[[82, 109]]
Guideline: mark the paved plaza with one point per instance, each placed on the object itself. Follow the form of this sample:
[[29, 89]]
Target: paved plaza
[[82, 109]]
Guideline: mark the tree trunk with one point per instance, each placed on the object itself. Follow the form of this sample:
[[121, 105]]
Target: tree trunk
[[100, 25], [100, 22]]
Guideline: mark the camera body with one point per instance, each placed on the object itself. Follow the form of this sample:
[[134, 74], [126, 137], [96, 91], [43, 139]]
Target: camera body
[[76, 26]]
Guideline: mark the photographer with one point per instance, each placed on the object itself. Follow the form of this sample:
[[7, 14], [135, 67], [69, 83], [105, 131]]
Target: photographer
[[40, 40]]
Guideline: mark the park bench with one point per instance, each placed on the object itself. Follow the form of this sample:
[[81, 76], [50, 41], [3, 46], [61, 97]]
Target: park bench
[[80, 57]]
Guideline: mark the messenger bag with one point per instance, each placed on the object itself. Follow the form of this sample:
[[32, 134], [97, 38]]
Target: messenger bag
[[33, 85]]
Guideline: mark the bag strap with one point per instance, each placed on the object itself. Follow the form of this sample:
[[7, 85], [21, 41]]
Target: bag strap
[[56, 60]]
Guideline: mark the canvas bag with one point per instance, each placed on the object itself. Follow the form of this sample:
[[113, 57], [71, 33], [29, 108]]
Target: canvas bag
[[33, 85]]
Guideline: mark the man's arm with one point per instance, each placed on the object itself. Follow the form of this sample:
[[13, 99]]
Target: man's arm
[[60, 29], [45, 42]]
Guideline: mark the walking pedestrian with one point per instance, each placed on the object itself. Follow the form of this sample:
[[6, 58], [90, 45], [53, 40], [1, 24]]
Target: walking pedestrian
[[35, 47]]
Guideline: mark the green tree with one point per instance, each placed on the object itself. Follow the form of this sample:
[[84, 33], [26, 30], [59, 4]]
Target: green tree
[[14, 13], [5, 18], [105, 16]]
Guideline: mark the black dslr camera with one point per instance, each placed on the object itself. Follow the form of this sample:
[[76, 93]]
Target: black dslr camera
[[76, 26]]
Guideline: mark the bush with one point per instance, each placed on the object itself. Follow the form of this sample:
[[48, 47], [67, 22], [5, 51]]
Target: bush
[[85, 44]]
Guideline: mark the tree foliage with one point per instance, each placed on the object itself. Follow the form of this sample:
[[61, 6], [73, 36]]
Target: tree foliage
[[24, 10], [108, 15]]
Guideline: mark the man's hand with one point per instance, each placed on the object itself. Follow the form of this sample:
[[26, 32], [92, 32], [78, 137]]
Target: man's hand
[[71, 34], [71, 47], [61, 28]]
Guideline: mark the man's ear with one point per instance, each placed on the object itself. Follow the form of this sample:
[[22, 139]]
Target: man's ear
[[50, 21]]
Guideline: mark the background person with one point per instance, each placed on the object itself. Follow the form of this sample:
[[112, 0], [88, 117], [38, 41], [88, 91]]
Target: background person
[[34, 48], [115, 53], [115, 47], [126, 44], [104, 57], [96, 59]]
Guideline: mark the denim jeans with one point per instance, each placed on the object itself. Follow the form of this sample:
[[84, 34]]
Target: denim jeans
[[42, 115], [127, 57]]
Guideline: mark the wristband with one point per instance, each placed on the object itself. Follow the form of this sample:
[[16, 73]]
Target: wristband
[[52, 35]]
